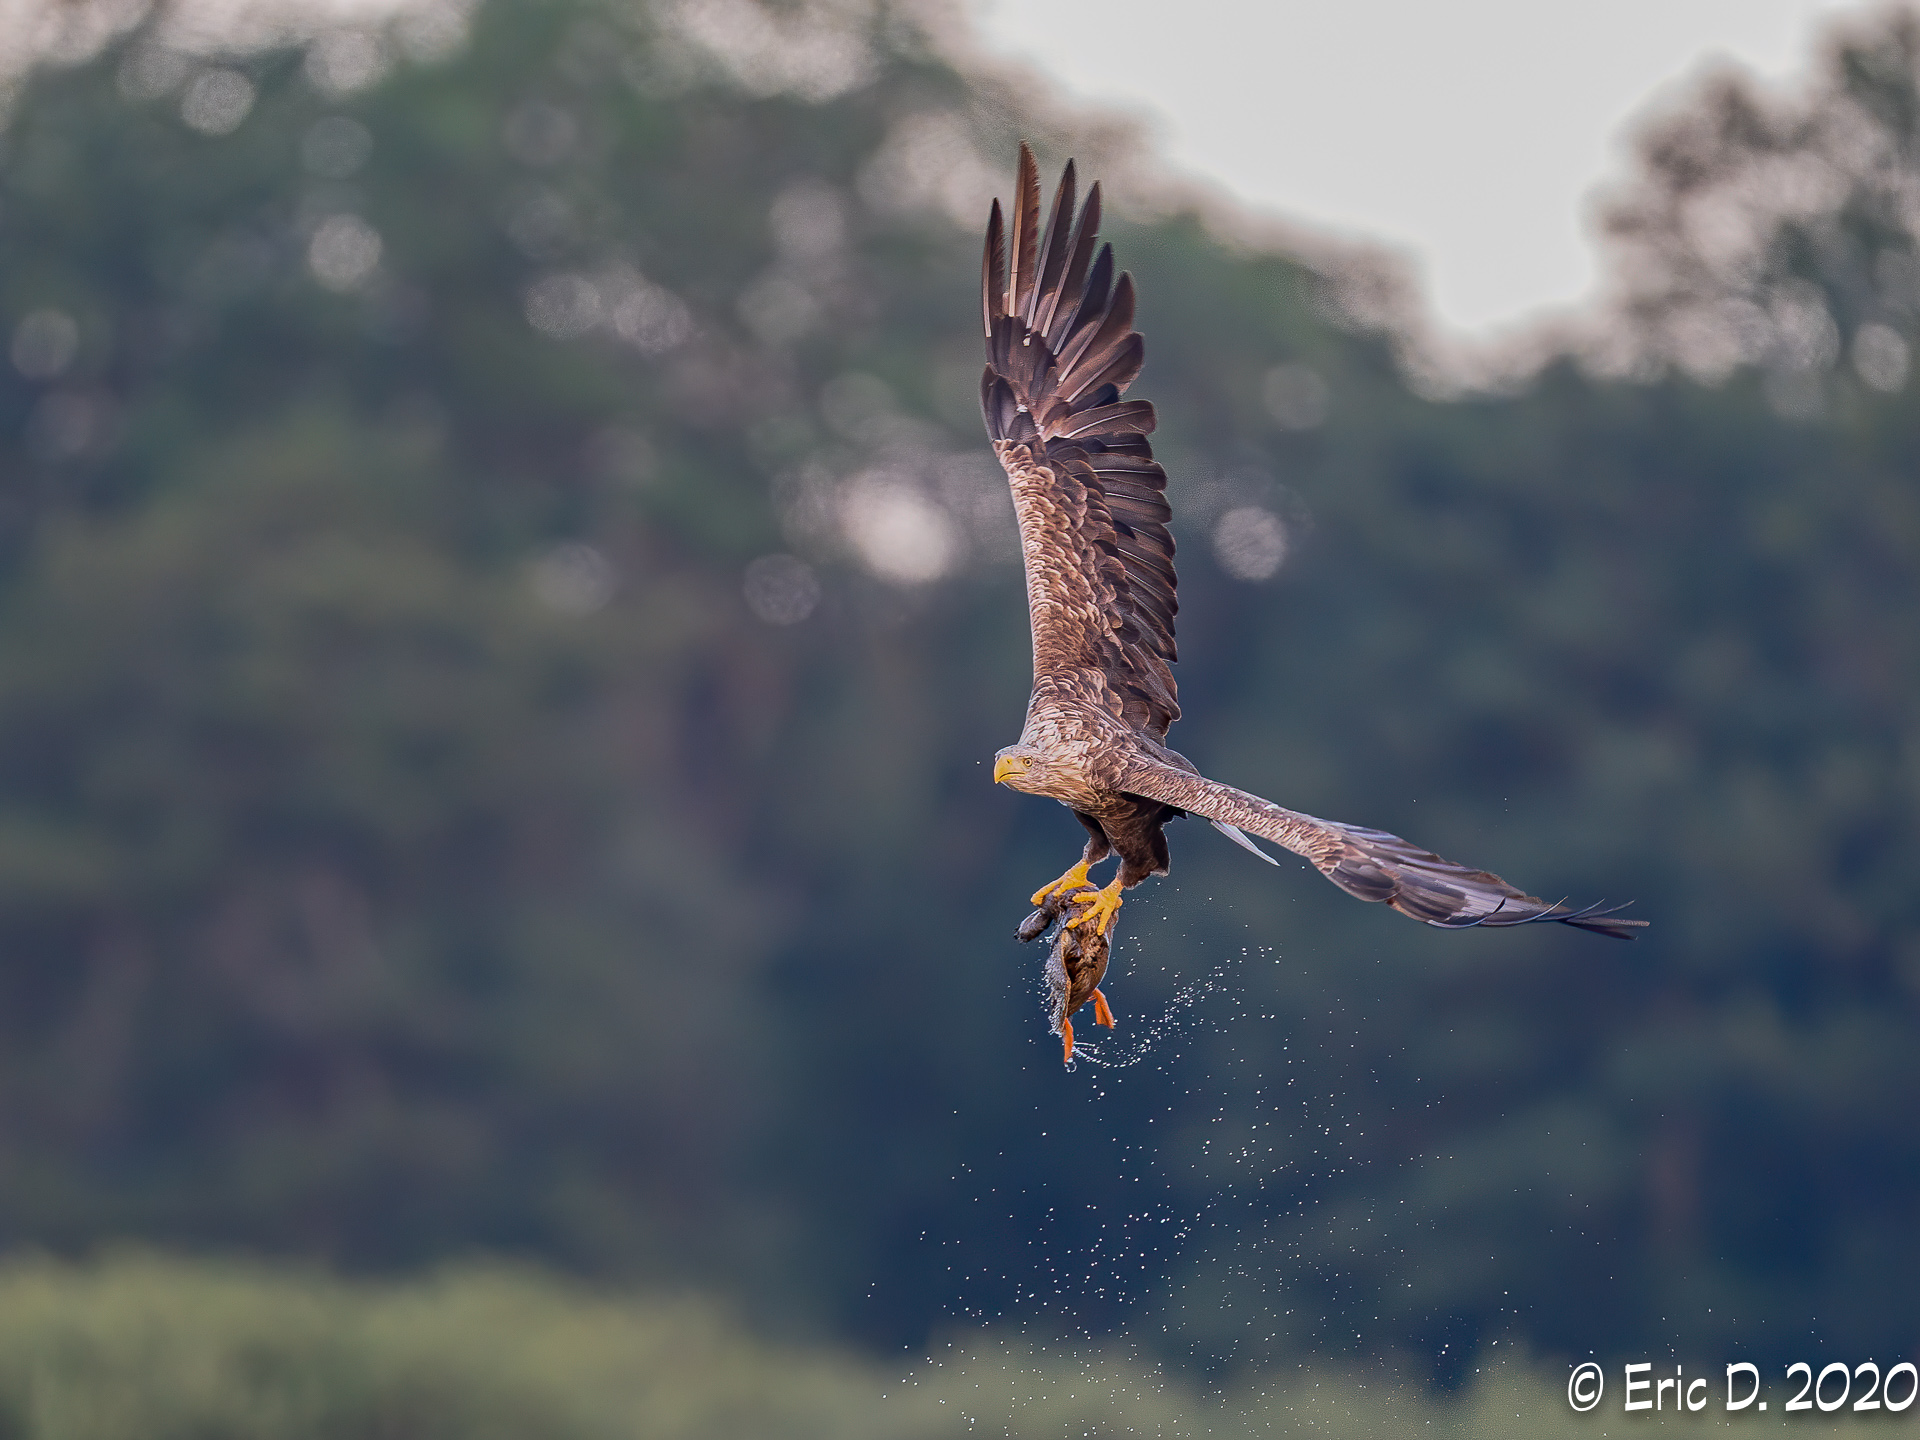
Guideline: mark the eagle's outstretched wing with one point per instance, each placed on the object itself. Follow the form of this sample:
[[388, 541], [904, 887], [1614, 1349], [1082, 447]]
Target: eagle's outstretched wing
[[1370, 864], [1061, 351]]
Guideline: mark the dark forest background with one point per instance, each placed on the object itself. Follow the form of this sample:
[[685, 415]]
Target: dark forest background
[[504, 609]]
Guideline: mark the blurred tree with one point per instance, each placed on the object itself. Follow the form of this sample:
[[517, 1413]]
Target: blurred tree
[[1779, 230], [503, 590]]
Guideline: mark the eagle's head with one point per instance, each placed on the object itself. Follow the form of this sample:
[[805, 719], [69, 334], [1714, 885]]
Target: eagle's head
[[1040, 770], [1022, 767]]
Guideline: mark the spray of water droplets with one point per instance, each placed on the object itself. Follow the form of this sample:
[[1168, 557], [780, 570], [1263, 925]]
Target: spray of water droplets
[[1127, 1045], [1179, 1212]]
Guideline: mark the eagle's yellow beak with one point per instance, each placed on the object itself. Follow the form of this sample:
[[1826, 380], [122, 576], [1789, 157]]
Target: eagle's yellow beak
[[1005, 765]]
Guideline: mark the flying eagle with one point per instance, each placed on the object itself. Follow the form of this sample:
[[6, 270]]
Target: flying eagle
[[1061, 352]]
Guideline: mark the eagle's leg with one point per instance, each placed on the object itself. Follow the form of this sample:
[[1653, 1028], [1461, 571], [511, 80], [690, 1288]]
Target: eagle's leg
[[1143, 852], [1072, 880], [1102, 906], [1097, 850]]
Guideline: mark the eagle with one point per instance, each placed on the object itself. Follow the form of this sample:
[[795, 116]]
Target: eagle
[[1101, 599]]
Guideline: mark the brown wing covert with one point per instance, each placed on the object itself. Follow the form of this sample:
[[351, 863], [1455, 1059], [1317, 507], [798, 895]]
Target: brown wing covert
[[1372, 864]]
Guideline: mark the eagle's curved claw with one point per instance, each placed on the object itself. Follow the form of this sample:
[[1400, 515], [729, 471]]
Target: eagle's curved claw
[[1102, 906], [1072, 880]]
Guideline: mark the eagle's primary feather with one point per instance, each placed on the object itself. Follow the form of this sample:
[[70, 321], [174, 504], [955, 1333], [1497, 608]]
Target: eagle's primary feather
[[1101, 595]]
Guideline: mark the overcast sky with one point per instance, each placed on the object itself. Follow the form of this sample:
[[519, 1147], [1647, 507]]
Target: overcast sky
[[1468, 132]]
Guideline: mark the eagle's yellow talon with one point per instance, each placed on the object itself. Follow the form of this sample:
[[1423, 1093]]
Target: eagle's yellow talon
[[1072, 880], [1102, 906]]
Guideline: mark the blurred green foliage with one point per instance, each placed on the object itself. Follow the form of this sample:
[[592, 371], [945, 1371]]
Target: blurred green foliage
[[141, 1346], [145, 1348], [418, 837]]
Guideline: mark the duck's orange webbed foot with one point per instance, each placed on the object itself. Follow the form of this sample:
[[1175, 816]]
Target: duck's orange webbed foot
[[1102, 906], [1102, 1015], [1072, 880]]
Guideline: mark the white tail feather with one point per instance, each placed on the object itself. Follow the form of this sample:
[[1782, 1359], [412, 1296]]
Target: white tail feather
[[1239, 838]]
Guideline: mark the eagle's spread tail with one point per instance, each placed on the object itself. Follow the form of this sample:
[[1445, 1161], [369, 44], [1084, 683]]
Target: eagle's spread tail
[[1370, 864]]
